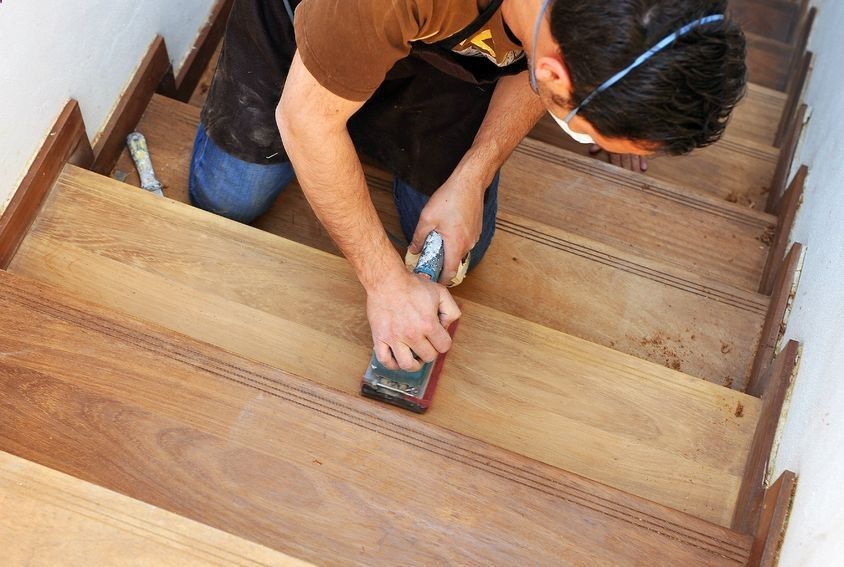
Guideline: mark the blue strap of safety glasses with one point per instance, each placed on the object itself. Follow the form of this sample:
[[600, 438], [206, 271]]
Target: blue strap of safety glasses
[[644, 57]]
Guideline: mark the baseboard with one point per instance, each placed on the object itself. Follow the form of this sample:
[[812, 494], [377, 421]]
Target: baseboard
[[202, 51], [788, 213], [795, 94], [774, 326], [154, 68], [67, 142], [773, 522], [779, 378]]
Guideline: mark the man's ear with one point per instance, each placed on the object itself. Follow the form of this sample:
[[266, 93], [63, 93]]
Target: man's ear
[[552, 72]]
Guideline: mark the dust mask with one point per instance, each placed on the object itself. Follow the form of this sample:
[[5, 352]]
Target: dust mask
[[576, 136]]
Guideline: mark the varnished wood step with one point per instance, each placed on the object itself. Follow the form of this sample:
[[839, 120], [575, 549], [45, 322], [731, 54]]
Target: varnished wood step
[[757, 116], [549, 276], [774, 19], [768, 61], [50, 518], [638, 426], [265, 455]]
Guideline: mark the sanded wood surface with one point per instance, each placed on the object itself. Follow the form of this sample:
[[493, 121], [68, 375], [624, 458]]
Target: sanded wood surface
[[774, 521], [50, 518], [318, 474], [768, 61], [791, 141], [734, 169], [790, 205], [638, 426], [651, 218], [758, 114]]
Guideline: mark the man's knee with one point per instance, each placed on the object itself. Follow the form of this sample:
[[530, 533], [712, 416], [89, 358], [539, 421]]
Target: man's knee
[[225, 185]]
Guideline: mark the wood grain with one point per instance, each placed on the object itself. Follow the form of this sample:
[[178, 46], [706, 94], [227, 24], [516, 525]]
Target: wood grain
[[769, 61], [318, 474], [203, 50], [789, 150], [791, 204], [776, 508], [774, 327], [756, 117], [644, 428], [50, 518], [775, 19], [66, 141], [734, 169], [131, 105], [796, 89], [648, 217], [780, 378]]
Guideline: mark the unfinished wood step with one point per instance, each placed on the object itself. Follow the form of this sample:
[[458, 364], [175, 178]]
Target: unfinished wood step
[[51, 518], [651, 218], [757, 116], [265, 455], [707, 236], [768, 61], [774, 19], [733, 169], [638, 426]]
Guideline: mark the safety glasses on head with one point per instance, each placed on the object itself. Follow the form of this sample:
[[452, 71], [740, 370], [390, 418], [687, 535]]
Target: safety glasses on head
[[659, 46]]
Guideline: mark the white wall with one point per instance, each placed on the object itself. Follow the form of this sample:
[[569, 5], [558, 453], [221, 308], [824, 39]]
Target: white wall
[[52, 50], [813, 441]]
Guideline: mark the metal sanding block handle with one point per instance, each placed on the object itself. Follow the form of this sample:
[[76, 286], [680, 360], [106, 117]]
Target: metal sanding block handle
[[140, 155]]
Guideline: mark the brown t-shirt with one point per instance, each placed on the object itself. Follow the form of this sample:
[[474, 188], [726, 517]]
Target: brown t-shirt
[[349, 45]]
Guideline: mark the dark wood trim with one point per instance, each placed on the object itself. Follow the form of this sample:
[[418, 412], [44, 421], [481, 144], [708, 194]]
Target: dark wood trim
[[778, 379], [788, 212], [787, 153], [203, 50], [795, 94], [773, 521], [774, 325], [801, 40], [66, 142], [132, 103]]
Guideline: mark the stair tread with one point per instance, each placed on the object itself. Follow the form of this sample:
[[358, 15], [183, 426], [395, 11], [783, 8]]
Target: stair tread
[[61, 520], [656, 433], [259, 453], [775, 19], [757, 116]]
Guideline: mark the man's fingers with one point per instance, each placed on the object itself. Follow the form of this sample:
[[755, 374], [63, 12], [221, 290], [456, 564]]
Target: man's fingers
[[449, 311], [385, 356], [404, 356], [440, 339], [451, 263], [643, 164], [424, 349]]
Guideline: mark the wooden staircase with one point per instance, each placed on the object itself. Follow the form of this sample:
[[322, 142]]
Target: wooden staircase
[[611, 398]]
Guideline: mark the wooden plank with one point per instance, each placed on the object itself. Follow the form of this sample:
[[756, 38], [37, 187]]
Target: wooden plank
[[769, 538], [131, 105], [318, 474], [50, 518], [66, 141], [774, 327], [775, 19], [780, 377], [791, 203], [769, 61], [789, 150], [756, 117], [795, 98], [203, 51], [648, 217], [641, 427], [734, 169]]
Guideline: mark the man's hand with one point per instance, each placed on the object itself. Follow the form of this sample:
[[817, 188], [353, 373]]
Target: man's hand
[[409, 316], [627, 161], [455, 210]]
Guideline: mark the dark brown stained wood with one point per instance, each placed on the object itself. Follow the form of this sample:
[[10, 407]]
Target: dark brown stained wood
[[733, 169], [769, 61], [791, 203], [203, 50], [775, 19], [617, 419], [133, 101], [774, 521], [795, 94], [783, 295], [787, 153], [297, 467], [801, 41], [779, 379], [65, 142]]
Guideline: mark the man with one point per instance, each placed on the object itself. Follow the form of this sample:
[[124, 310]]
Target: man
[[440, 92]]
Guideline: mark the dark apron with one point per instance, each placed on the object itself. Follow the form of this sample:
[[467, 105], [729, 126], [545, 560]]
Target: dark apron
[[418, 124]]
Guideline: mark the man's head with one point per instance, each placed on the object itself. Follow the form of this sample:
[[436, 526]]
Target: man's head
[[677, 100]]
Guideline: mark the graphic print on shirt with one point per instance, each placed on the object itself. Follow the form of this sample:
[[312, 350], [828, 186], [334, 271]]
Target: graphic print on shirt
[[484, 44]]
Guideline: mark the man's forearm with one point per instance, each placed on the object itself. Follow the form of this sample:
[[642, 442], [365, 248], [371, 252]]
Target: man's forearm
[[513, 111]]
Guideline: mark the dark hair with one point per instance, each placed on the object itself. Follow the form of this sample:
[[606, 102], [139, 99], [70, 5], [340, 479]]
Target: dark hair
[[681, 98]]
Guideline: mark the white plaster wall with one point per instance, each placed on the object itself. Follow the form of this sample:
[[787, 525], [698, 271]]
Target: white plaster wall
[[813, 440], [52, 50]]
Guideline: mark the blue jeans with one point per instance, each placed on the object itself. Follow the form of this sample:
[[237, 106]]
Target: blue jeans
[[243, 191]]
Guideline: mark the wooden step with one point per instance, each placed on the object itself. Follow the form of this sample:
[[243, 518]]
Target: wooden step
[[634, 425], [774, 19], [51, 518], [733, 169], [713, 238], [265, 455], [768, 61], [704, 328], [757, 116]]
